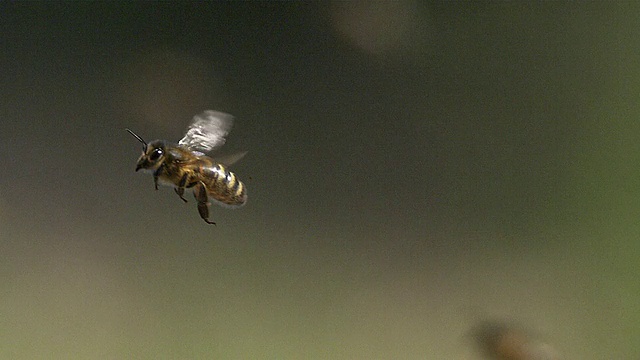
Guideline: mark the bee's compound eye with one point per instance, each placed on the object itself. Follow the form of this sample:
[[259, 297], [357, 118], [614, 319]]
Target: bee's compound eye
[[155, 155]]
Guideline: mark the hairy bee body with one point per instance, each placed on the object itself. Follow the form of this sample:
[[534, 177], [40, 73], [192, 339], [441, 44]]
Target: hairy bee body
[[185, 165], [221, 184]]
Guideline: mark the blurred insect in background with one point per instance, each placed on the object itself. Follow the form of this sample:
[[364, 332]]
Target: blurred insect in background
[[185, 165], [501, 341]]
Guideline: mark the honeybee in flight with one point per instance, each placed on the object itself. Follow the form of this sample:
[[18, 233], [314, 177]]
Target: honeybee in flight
[[185, 165]]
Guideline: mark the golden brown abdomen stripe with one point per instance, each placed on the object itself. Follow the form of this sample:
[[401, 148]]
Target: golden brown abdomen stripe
[[224, 187]]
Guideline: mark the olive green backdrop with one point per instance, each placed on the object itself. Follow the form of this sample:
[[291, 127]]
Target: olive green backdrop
[[413, 168]]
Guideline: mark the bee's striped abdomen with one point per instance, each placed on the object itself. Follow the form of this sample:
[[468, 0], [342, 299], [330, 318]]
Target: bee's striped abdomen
[[224, 186]]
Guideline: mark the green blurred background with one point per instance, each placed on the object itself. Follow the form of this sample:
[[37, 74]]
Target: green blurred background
[[413, 168]]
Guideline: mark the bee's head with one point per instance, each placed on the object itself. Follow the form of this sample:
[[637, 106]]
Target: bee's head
[[153, 153]]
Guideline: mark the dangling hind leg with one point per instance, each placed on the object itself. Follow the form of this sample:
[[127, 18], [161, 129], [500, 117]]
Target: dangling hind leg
[[200, 193], [180, 189]]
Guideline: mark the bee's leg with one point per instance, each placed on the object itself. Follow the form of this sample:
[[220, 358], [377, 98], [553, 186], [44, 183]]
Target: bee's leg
[[180, 189], [155, 176], [200, 193]]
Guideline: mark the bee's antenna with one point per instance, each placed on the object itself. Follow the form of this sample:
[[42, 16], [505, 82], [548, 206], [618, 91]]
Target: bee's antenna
[[139, 139]]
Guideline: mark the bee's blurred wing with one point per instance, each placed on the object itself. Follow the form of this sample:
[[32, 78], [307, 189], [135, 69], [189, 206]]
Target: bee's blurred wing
[[207, 131], [229, 159]]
